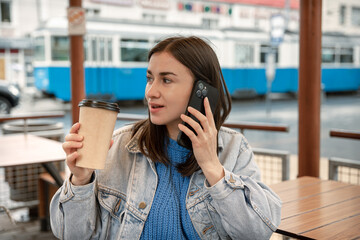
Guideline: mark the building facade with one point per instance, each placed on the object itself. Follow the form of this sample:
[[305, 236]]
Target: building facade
[[20, 18]]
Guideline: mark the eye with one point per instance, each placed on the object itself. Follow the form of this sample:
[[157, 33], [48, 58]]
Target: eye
[[166, 80], [149, 79]]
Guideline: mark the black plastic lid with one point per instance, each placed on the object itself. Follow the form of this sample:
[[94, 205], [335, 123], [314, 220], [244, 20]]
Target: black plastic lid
[[99, 104]]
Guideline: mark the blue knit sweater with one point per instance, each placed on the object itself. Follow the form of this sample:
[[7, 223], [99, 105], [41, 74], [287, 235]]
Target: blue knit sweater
[[168, 217]]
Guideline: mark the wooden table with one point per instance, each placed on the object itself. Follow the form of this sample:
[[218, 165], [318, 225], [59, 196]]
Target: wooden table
[[319, 209], [20, 149]]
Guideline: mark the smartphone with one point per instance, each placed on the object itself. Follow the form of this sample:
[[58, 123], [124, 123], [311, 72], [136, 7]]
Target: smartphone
[[200, 90]]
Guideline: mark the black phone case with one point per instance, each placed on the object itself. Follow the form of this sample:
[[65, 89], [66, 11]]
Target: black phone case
[[200, 90]]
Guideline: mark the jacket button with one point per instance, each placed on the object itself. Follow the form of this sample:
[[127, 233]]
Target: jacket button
[[142, 205], [232, 180]]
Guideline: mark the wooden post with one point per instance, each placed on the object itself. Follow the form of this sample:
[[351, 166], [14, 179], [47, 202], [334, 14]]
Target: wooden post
[[77, 68], [309, 88]]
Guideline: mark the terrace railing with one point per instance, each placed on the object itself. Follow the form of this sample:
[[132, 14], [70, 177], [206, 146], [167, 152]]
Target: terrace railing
[[341, 169]]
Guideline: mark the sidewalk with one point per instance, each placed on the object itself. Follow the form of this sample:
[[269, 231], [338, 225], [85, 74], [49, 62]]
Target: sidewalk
[[22, 231]]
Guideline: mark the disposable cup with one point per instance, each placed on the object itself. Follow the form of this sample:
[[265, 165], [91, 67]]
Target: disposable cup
[[97, 121]]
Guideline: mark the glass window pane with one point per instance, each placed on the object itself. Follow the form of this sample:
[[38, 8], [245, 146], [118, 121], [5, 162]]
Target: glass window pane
[[94, 49], [244, 54], [355, 16], [264, 49], [328, 55], [102, 49], [109, 47], [39, 49], [86, 53], [5, 11], [346, 55], [59, 48], [134, 50], [342, 15]]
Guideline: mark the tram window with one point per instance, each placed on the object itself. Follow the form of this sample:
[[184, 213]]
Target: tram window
[[346, 55], [134, 50], [109, 48], [264, 49], [244, 54], [102, 49], [86, 53], [59, 48], [94, 49], [39, 49], [328, 55]]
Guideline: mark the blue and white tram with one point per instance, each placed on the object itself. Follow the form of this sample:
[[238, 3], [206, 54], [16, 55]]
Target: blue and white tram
[[116, 59]]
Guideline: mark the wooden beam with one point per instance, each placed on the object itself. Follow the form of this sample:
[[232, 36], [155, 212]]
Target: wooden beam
[[77, 68], [309, 87]]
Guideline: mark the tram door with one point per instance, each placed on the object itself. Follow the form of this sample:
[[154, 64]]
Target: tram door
[[98, 67]]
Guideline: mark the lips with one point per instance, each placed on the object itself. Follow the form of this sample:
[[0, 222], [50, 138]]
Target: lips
[[155, 107]]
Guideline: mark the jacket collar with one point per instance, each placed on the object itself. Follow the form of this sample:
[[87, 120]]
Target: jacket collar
[[133, 146]]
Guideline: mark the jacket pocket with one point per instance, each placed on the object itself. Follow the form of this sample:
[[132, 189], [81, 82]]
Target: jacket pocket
[[201, 214], [113, 203], [216, 219]]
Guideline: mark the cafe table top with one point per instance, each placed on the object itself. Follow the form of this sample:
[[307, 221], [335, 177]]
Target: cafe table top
[[319, 209], [23, 149]]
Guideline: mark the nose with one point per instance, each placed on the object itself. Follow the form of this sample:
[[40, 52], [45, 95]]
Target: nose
[[153, 90]]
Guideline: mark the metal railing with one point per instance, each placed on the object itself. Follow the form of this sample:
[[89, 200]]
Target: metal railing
[[344, 170], [19, 184], [341, 169], [274, 165], [345, 133]]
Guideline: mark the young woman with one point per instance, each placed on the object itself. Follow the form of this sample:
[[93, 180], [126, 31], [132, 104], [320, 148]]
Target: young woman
[[151, 187]]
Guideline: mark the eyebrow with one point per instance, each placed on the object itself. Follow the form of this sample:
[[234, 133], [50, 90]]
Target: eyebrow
[[162, 73]]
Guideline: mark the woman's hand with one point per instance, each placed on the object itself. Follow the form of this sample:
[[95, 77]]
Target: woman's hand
[[205, 142], [73, 141]]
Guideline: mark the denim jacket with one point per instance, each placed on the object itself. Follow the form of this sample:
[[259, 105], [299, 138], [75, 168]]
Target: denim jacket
[[116, 203]]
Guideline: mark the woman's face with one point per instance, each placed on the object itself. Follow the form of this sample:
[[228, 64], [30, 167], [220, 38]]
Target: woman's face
[[168, 89]]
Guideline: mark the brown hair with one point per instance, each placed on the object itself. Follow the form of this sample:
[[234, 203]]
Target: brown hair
[[195, 54]]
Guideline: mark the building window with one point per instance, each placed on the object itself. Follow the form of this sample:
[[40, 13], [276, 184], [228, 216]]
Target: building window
[[134, 50], [264, 49], [328, 54], [208, 23], [244, 54], [153, 17], [342, 15], [355, 16], [59, 48], [92, 12], [346, 55], [5, 11], [39, 49]]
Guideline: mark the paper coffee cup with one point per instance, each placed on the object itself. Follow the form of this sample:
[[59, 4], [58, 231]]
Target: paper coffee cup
[[97, 121]]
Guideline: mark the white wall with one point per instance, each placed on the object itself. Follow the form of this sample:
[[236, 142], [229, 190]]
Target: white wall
[[331, 16]]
